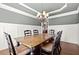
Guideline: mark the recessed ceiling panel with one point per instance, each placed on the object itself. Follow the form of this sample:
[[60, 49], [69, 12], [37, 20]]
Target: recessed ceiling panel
[[11, 17], [45, 6], [70, 7]]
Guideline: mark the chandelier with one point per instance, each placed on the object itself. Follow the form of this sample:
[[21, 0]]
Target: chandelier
[[42, 16]]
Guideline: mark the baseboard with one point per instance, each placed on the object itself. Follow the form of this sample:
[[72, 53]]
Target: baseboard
[[72, 42]]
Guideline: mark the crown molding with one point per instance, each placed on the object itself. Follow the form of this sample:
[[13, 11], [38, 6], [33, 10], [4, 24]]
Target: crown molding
[[3, 6], [26, 6], [58, 10], [64, 14]]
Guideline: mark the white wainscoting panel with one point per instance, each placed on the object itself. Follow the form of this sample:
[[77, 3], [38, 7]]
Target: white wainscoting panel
[[15, 30], [70, 32]]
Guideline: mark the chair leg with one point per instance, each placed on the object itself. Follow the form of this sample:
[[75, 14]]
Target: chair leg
[[59, 50], [18, 44]]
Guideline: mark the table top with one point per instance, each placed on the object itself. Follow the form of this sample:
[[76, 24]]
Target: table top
[[32, 41]]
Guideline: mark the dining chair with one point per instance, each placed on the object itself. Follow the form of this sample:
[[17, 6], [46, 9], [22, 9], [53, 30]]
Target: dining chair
[[57, 46], [53, 48], [35, 32], [27, 33], [20, 50], [52, 32]]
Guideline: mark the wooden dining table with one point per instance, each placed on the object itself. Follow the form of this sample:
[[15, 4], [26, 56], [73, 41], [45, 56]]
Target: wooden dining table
[[33, 41]]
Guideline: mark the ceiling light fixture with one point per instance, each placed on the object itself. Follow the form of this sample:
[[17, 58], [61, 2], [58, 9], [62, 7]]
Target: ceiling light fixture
[[42, 16]]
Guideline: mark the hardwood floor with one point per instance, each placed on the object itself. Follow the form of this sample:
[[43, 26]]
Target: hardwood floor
[[67, 49]]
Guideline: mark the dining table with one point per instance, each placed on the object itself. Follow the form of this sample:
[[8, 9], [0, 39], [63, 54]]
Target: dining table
[[33, 41]]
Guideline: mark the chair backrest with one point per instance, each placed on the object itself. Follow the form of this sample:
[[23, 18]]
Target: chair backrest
[[58, 32], [57, 47], [35, 32], [52, 32], [10, 44], [27, 33]]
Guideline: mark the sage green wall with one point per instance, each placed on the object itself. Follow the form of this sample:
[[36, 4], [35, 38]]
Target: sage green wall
[[71, 19], [11, 17]]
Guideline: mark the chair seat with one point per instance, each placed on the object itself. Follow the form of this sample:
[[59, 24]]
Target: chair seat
[[47, 47], [22, 50]]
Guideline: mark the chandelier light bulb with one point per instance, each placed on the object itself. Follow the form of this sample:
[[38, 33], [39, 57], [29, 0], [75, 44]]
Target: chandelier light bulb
[[44, 13], [38, 14], [47, 15]]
